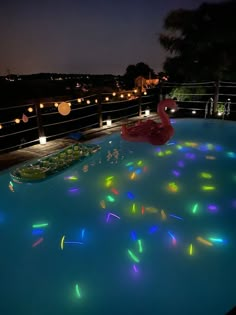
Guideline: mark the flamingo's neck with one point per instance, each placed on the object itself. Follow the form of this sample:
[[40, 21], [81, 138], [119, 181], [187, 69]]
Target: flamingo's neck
[[161, 110], [162, 114]]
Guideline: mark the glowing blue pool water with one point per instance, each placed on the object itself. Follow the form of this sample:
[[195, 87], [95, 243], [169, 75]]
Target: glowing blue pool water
[[133, 229]]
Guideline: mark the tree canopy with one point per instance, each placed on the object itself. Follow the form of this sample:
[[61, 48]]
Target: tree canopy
[[201, 42]]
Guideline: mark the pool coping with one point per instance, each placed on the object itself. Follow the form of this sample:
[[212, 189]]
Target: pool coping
[[13, 158]]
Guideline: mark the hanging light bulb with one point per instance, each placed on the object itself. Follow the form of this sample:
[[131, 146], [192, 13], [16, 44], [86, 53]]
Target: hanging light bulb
[[122, 95], [64, 108], [30, 109], [114, 94], [107, 98], [41, 105]]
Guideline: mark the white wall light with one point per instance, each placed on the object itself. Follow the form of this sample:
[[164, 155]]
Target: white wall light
[[42, 140], [109, 122], [147, 112]]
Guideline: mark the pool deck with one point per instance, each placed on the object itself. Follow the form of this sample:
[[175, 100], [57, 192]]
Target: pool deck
[[10, 159]]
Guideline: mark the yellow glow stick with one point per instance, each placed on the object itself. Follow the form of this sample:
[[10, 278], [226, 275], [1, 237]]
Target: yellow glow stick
[[62, 242], [203, 241]]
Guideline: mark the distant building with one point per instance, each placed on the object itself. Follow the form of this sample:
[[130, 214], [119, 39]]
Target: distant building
[[141, 82]]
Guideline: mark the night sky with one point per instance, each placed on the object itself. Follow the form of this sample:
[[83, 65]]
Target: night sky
[[89, 36]]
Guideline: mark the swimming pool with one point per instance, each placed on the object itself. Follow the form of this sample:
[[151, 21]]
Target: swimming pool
[[133, 229]]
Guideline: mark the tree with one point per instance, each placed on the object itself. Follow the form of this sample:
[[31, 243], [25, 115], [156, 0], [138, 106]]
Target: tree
[[201, 42], [133, 71]]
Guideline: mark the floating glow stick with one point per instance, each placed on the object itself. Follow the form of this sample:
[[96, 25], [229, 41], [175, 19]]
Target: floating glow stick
[[133, 208], [142, 210], [73, 189], [38, 242], [206, 175], [130, 195], [35, 226], [37, 232], [191, 249], [116, 192], [82, 234], [216, 240], [140, 163], [135, 258], [163, 215], [71, 178], [208, 188], [110, 198], [102, 204], [133, 235], [175, 216], [173, 238], [140, 247], [138, 171], [62, 242], [135, 268], [151, 209], [77, 290], [203, 241], [108, 183], [195, 207], [176, 173], [114, 215], [153, 229], [133, 175]]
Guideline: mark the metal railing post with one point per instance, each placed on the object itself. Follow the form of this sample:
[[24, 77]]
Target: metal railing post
[[41, 132]]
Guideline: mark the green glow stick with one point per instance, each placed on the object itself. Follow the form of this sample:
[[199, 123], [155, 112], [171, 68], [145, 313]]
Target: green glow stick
[[110, 198], [195, 207], [140, 246], [77, 291], [135, 258], [39, 225]]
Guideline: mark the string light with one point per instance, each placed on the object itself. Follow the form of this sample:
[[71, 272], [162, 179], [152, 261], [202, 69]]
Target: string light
[[41, 105], [30, 109], [88, 102], [56, 104], [17, 120]]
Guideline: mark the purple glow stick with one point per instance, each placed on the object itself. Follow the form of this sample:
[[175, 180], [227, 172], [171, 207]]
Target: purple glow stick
[[114, 215], [175, 216]]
